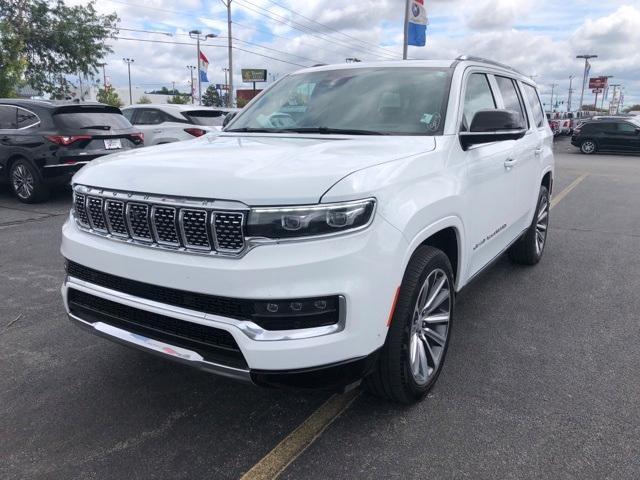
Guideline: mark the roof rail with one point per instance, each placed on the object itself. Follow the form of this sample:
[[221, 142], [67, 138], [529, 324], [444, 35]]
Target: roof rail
[[472, 58]]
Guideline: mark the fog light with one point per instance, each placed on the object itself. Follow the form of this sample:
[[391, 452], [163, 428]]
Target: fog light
[[295, 306], [320, 304], [272, 307], [296, 313]]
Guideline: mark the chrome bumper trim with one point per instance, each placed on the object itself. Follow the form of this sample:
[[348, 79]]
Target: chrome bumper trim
[[248, 328], [223, 370]]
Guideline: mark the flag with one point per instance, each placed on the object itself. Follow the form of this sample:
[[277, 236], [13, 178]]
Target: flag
[[203, 66], [417, 28]]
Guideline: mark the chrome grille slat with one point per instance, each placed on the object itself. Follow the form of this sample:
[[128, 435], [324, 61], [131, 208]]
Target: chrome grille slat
[[96, 215], [178, 224], [138, 221], [114, 213], [163, 221], [80, 208], [195, 231], [228, 231]]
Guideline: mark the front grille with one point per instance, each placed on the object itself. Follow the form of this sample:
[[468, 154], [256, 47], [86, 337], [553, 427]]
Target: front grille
[[96, 215], [81, 209], [212, 343], [154, 223]]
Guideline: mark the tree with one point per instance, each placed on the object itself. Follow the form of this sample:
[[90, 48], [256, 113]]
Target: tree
[[144, 100], [211, 98], [242, 102], [109, 96], [42, 42], [179, 99], [633, 108]]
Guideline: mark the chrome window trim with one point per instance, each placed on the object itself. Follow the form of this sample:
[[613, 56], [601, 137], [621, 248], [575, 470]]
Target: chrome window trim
[[37, 122], [247, 327]]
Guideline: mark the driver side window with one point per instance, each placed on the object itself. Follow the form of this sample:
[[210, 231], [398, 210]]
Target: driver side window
[[478, 96]]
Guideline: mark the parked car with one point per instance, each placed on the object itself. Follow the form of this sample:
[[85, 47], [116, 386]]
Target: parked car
[[42, 144], [173, 123], [326, 243], [610, 134]]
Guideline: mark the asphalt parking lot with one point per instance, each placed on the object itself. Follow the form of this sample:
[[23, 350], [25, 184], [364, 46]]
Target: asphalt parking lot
[[542, 378]]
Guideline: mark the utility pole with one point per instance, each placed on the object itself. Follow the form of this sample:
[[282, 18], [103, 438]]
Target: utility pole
[[570, 93], [613, 97], [196, 34], [584, 75], [553, 87], [104, 76], [606, 92], [81, 98], [405, 45], [129, 61], [230, 93], [191, 69]]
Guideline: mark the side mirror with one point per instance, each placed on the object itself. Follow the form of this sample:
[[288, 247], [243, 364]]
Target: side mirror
[[228, 117], [493, 125]]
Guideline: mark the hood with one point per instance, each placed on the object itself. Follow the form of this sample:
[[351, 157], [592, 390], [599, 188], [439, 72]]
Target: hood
[[256, 170]]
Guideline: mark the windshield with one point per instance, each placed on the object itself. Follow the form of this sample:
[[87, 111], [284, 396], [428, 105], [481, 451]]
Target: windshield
[[385, 101]]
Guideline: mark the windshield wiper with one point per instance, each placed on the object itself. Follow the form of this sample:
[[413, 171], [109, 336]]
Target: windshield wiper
[[337, 131], [96, 127]]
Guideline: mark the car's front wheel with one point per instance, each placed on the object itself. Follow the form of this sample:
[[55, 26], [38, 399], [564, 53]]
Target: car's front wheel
[[26, 183], [414, 352], [588, 147]]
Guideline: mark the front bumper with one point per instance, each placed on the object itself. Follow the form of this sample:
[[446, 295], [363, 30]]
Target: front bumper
[[364, 268]]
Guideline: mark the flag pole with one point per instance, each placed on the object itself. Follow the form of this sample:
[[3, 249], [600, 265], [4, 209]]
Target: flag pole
[[406, 30]]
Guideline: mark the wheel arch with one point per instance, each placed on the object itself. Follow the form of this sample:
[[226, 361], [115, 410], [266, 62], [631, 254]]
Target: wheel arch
[[11, 160], [547, 181], [446, 235]]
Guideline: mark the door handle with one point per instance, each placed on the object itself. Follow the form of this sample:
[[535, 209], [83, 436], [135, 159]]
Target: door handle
[[538, 151], [157, 130], [510, 162]]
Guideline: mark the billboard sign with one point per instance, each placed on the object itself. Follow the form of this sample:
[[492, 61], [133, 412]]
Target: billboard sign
[[597, 82], [254, 75]]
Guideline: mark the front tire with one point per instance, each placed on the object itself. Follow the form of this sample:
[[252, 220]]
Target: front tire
[[417, 341], [588, 147], [26, 183], [529, 248]]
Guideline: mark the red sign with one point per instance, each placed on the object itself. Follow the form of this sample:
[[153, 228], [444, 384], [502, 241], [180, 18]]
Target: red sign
[[598, 82]]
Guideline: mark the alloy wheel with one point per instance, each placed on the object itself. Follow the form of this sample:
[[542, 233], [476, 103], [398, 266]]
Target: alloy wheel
[[23, 182], [542, 224], [430, 326], [588, 146]]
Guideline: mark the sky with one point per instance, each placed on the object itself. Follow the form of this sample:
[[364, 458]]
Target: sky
[[539, 38]]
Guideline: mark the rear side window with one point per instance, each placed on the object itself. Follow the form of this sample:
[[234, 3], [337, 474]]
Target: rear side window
[[209, 118], [27, 119], [534, 105], [8, 117], [90, 118], [128, 114], [149, 117], [624, 127], [478, 96], [510, 96]]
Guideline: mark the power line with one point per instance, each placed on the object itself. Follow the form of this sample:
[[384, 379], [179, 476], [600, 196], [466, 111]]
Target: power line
[[276, 50], [304, 29], [333, 29]]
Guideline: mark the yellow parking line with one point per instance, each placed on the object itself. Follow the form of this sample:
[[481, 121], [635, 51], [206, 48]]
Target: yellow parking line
[[290, 448], [557, 198], [275, 462]]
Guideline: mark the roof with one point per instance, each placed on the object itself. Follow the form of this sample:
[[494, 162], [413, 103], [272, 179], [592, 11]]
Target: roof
[[46, 104], [179, 107]]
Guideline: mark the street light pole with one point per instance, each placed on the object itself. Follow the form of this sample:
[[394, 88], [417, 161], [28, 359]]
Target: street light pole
[[553, 87], [584, 75], [129, 61], [405, 45], [570, 93], [196, 34], [230, 100], [191, 69]]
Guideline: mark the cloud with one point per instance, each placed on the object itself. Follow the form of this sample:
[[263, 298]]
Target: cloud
[[498, 14]]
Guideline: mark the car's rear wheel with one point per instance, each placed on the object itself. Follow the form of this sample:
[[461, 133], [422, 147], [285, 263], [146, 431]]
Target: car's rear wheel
[[588, 147], [414, 352], [26, 183], [529, 248]]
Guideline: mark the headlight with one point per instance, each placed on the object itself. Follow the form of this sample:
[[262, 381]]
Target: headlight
[[294, 222]]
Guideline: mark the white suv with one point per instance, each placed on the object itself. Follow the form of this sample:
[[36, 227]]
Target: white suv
[[174, 123], [345, 207]]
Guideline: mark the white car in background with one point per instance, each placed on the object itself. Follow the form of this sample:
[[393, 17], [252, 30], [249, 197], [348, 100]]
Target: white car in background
[[173, 123]]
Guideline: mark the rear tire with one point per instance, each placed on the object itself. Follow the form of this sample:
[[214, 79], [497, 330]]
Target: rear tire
[[588, 147], [417, 341], [529, 248], [26, 183]]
